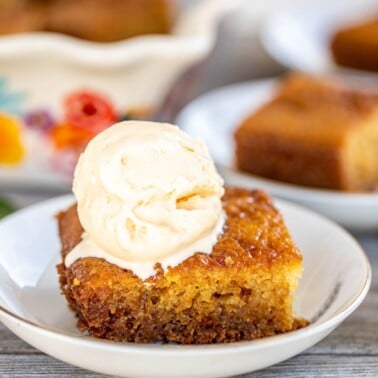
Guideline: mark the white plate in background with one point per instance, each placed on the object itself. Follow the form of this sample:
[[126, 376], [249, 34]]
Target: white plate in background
[[214, 118], [299, 35], [335, 280]]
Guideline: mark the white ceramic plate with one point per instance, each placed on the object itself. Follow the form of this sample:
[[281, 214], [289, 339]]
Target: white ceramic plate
[[214, 117], [299, 36], [336, 279]]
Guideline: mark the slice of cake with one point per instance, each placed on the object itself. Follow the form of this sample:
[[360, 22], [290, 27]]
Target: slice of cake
[[241, 291], [94, 20], [313, 133], [108, 20], [156, 250], [356, 46]]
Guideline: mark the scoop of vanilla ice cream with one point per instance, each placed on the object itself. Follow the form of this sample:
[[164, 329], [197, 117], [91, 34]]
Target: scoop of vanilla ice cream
[[147, 191]]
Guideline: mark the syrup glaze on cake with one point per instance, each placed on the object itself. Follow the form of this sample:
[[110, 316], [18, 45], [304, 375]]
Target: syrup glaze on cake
[[241, 291]]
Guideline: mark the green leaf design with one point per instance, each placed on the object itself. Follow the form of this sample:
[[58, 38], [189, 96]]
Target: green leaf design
[[6, 208]]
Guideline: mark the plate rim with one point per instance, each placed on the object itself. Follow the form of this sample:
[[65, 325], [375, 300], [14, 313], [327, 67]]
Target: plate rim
[[179, 350]]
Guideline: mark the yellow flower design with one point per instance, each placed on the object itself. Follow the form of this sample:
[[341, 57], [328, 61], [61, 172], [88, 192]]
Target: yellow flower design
[[11, 148]]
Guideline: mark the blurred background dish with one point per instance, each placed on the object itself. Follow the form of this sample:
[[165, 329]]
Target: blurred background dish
[[57, 92], [215, 117], [300, 36]]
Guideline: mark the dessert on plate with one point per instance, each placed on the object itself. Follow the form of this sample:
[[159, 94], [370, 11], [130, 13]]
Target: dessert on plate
[[313, 132], [356, 45], [155, 249]]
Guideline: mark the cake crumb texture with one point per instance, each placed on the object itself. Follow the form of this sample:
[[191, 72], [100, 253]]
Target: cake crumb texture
[[241, 291]]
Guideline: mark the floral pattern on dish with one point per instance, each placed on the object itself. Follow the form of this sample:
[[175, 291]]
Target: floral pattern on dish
[[83, 114], [11, 144]]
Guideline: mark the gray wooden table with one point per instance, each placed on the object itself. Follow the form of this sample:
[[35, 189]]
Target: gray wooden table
[[350, 351]]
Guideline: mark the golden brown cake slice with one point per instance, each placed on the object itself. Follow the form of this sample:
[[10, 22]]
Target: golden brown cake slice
[[241, 291], [95, 20], [108, 20], [356, 46], [313, 133]]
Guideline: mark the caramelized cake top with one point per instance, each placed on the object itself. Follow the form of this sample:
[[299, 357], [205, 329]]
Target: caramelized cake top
[[254, 235], [311, 110]]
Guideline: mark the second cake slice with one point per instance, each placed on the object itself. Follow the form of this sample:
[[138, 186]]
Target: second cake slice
[[313, 133]]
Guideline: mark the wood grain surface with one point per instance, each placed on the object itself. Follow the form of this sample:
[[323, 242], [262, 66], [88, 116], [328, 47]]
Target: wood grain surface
[[350, 351]]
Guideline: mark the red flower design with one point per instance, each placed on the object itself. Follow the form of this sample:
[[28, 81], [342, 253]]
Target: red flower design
[[89, 110]]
